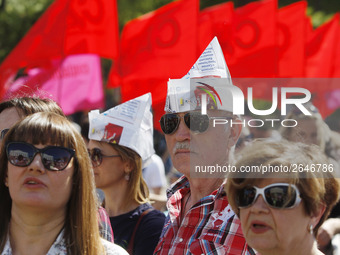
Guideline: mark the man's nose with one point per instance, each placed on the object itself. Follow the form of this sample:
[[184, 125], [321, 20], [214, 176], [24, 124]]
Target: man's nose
[[182, 132]]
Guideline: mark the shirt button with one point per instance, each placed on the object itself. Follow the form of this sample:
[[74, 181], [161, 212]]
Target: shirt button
[[181, 240]]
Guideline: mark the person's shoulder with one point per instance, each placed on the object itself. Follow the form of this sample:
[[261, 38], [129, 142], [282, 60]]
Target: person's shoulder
[[151, 210], [153, 217], [113, 249], [156, 213]]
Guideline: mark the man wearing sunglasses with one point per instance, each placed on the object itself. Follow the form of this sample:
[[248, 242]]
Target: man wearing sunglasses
[[200, 219]]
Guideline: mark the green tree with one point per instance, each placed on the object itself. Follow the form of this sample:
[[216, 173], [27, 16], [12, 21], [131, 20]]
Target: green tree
[[16, 18]]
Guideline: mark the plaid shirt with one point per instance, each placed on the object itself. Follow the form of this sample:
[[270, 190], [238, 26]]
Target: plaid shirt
[[105, 229], [209, 227]]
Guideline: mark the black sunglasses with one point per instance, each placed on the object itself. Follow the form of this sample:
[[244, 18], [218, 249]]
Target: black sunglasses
[[54, 158], [195, 121], [97, 156], [276, 195]]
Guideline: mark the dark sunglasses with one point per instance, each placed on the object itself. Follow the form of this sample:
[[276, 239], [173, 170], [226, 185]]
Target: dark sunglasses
[[97, 156], [195, 121], [54, 158], [3, 133], [276, 195]]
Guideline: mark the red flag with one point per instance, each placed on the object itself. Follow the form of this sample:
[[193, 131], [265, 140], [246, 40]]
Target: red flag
[[159, 45], [336, 67], [155, 47], [292, 37], [216, 21], [67, 27], [75, 83], [320, 49], [309, 27], [158, 112], [253, 48]]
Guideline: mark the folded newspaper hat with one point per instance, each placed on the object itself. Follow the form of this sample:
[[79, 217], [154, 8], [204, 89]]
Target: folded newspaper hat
[[209, 76], [129, 124]]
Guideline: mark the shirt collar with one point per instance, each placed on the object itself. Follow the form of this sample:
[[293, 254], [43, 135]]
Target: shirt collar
[[183, 182], [58, 245]]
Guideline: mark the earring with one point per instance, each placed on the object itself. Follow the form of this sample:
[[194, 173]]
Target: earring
[[311, 229], [6, 183], [127, 177]]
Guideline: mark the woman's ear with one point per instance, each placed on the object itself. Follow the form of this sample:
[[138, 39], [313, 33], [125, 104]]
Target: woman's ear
[[315, 218], [127, 167], [6, 181]]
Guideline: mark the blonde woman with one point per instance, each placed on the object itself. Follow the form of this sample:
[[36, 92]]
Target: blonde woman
[[120, 142]]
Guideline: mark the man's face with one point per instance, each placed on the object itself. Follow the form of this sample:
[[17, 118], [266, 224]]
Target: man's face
[[189, 149]]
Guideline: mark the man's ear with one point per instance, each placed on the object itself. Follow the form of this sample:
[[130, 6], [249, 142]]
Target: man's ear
[[235, 132]]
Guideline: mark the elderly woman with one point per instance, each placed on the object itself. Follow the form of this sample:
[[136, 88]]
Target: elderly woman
[[120, 142], [281, 212], [47, 193]]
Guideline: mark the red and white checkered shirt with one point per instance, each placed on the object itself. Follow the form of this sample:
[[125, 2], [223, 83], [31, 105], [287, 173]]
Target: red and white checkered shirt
[[209, 227]]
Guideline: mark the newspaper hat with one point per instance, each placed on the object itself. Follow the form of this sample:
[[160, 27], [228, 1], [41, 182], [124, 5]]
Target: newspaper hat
[[209, 75], [128, 124]]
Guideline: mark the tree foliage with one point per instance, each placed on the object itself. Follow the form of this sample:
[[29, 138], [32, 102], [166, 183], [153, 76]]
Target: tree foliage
[[16, 18]]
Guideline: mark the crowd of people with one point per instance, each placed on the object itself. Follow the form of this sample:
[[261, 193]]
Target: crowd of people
[[51, 171]]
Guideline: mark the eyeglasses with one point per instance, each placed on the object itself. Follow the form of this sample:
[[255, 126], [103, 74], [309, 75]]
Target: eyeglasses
[[54, 158], [3, 133], [97, 156], [276, 195], [195, 121]]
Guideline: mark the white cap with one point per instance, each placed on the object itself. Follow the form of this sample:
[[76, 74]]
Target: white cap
[[129, 124], [209, 75]]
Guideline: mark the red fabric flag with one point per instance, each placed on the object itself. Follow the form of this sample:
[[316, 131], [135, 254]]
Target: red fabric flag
[[320, 49], [253, 50], [67, 27], [75, 83], [336, 67], [292, 37], [158, 45], [155, 47], [309, 27], [216, 21]]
